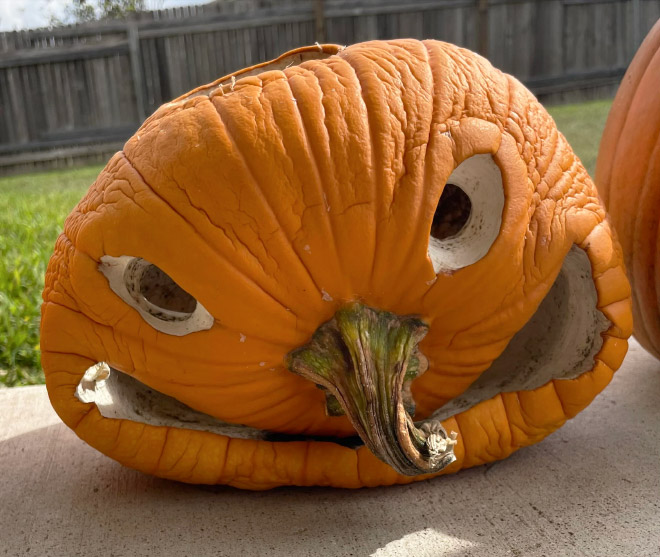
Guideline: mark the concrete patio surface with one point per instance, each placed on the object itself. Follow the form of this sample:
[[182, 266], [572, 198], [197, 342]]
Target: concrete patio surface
[[592, 488]]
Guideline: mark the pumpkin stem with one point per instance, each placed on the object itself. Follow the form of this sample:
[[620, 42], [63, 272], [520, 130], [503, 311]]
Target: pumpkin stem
[[366, 359]]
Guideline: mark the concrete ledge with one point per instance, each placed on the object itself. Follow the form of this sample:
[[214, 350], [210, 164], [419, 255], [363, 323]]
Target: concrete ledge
[[592, 488]]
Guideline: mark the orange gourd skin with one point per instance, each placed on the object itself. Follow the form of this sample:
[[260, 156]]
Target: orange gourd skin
[[261, 194], [628, 179]]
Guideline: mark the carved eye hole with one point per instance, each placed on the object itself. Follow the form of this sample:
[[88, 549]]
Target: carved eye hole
[[155, 295], [156, 292], [452, 214], [468, 217]]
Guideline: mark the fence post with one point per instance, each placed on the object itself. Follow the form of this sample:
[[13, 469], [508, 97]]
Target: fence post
[[483, 27], [136, 68], [319, 21], [637, 26]]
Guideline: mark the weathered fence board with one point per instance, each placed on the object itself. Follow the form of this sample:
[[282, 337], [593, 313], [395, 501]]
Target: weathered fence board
[[95, 83]]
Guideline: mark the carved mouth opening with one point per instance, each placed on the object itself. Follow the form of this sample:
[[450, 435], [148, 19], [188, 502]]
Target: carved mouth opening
[[118, 395], [559, 342]]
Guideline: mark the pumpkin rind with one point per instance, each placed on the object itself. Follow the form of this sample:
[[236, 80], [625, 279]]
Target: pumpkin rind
[[292, 192], [628, 178]]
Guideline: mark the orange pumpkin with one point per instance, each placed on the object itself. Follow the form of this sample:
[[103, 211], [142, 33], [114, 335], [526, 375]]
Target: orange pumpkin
[[398, 223], [628, 179]]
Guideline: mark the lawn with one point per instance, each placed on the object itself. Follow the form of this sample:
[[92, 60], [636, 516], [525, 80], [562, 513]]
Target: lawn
[[33, 208], [32, 211], [583, 124]]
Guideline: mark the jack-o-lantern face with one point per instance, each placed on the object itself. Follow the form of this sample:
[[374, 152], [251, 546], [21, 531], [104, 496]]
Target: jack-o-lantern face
[[396, 222]]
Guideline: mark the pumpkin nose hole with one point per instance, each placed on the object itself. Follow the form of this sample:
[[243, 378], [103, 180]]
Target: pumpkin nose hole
[[156, 292], [452, 213]]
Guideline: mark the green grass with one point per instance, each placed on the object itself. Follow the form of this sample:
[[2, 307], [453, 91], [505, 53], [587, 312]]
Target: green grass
[[33, 208], [583, 124], [32, 211]]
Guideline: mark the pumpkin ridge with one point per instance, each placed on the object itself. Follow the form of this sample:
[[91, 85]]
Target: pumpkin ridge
[[375, 181], [557, 395], [156, 464], [153, 191], [340, 121], [312, 157], [638, 267], [427, 171], [417, 132], [278, 127], [509, 422], [531, 135], [606, 165], [260, 193], [402, 136], [178, 459], [625, 170], [259, 286], [648, 270]]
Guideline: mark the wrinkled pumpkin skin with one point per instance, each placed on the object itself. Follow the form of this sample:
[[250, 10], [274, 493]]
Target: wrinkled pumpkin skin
[[628, 179], [277, 197]]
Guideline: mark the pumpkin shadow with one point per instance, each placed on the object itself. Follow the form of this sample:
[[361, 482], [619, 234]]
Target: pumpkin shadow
[[593, 484]]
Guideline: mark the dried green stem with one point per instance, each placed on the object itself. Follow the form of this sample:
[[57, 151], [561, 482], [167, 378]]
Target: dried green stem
[[366, 360]]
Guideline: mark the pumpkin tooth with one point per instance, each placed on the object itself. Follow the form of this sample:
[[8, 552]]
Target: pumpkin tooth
[[366, 359]]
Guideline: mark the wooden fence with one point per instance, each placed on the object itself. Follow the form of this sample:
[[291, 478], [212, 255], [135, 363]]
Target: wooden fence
[[78, 92]]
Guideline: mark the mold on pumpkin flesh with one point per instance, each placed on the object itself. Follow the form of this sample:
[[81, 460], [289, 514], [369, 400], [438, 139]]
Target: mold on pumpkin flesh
[[343, 214]]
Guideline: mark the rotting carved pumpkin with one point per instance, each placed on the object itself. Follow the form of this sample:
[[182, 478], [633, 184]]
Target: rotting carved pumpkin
[[628, 179], [397, 223]]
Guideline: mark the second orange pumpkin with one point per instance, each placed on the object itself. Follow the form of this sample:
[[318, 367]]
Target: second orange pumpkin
[[628, 179]]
